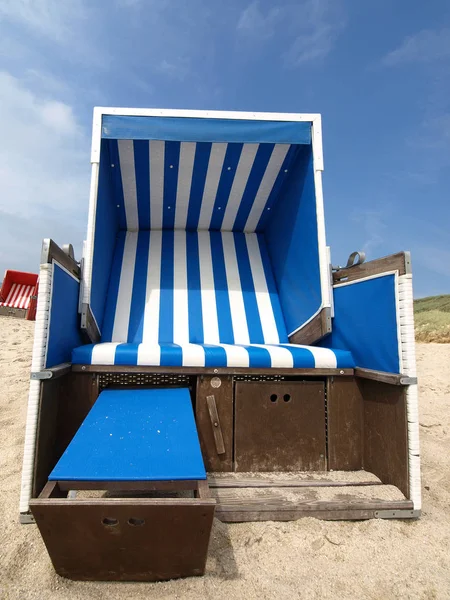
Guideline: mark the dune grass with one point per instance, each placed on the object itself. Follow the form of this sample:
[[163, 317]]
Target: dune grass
[[432, 319]]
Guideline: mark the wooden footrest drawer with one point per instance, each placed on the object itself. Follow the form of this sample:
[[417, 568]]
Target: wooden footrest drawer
[[126, 539]]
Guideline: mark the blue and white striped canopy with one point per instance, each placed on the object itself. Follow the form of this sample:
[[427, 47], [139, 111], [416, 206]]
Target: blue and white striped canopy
[[197, 185], [199, 174]]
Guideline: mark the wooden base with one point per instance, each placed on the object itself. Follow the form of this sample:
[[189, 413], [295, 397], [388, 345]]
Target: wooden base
[[246, 420], [259, 498], [9, 311]]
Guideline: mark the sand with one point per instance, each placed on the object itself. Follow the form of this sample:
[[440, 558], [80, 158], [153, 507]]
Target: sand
[[303, 559]]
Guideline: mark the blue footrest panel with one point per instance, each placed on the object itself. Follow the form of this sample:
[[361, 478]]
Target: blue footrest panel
[[135, 435]]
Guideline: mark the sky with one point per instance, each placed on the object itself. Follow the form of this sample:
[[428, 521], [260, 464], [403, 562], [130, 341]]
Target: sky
[[378, 71]]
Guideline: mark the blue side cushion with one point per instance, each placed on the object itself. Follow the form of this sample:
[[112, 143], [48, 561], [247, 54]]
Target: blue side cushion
[[135, 435], [366, 322], [208, 355]]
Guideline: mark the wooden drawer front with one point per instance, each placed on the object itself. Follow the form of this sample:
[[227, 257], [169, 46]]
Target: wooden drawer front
[[280, 426], [126, 540]]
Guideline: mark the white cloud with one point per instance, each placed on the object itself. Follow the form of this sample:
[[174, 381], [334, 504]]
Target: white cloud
[[51, 18], [319, 24], [45, 83], [309, 28], [253, 22], [44, 170], [178, 68], [373, 224], [312, 45], [426, 46]]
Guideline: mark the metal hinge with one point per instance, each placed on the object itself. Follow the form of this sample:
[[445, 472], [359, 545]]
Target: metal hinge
[[397, 514], [355, 258], [26, 518]]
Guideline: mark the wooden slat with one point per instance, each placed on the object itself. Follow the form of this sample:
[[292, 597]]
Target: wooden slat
[[352, 509], [89, 328], [51, 251], [52, 490], [236, 516], [386, 433], [267, 503], [345, 424], [203, 490], [284, 483], [400, 262], [315, 330], [391, 378], [215, 423], [209, 370], [126, 486]]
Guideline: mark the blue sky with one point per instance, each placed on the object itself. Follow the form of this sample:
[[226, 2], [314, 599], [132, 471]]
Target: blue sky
[[377, 70]]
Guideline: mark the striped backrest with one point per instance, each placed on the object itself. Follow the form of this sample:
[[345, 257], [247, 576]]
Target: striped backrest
[[18, 296], [192, 287], [197, 185]]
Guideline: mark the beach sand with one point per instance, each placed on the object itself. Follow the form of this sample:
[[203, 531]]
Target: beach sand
[[308, 558]]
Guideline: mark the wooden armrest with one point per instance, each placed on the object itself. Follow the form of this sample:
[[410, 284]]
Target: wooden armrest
[[52, 372], [400, 262], [384, 377], [51, 251]]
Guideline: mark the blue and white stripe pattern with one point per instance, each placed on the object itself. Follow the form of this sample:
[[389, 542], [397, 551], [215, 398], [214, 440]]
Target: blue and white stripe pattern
[[197, 185], [213, 355], [197, 298]]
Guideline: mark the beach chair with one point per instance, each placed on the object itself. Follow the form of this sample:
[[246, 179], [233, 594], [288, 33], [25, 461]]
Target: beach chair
[[204, 346], [18, 295]]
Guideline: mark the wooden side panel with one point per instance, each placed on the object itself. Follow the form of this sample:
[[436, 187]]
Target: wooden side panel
[[45, 458], [65, 402], [126, 540], [222, 390], [386, 433], [345, 424], [76, 400], [280, 426]]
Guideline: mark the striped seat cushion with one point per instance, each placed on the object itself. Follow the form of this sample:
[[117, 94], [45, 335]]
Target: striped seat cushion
[[19, 296], [212, 355]]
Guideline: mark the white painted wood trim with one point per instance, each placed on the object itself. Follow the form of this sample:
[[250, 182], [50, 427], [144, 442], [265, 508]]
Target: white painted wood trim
[[99, 111], [37, 364]]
